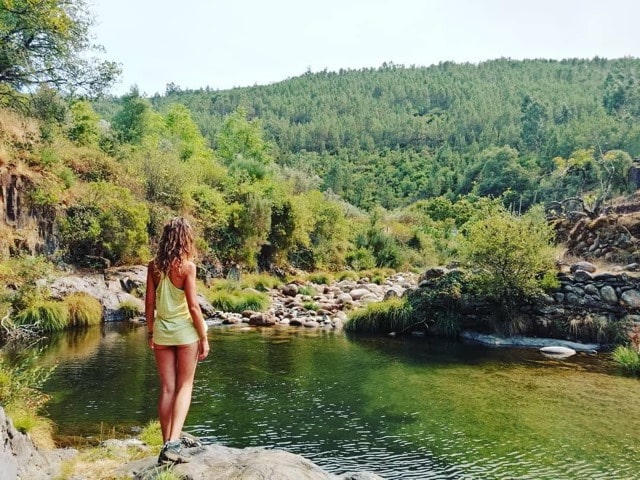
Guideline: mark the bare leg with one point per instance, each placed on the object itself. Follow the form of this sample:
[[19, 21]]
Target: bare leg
[[187, 359], [176, 367], [166, 362]]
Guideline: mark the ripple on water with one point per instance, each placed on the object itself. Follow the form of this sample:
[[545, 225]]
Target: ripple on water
[[404, 409]]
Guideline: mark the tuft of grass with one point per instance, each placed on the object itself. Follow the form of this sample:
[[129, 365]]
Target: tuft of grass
[[307, 290], [129, 309], [238, 301], [261, 282], [347, 275], [393, 315], [152, 434], [45, 315], [167, 474], [447, 325], [84, 310], [100, 463], [40, 429], [311, 306], [320, 278], [21, 395], [628, 359]]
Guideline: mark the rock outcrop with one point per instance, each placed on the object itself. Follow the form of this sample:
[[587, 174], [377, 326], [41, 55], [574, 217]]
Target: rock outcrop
[[216, 462], [614, 238], [21, 460], [29, 228]]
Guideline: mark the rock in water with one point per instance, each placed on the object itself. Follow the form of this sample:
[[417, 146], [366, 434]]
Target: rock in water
[[557, 351]]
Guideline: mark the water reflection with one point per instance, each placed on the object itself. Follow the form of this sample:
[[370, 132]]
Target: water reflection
[[403, 408]]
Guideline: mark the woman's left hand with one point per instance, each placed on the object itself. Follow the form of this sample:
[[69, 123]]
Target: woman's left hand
[[203, 349]]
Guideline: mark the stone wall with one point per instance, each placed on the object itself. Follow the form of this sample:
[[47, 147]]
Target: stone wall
[[587, 303], [613, 296]]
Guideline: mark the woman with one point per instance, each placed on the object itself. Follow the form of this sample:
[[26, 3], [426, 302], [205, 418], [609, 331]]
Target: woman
[[177, 332]]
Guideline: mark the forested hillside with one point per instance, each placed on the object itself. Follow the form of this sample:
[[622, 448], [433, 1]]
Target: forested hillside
[[354, 169], [394, 135]]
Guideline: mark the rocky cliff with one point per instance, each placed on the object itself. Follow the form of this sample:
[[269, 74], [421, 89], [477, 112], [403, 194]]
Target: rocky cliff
[[25, 226]]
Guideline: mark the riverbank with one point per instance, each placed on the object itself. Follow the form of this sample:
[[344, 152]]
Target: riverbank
[[21, 459]]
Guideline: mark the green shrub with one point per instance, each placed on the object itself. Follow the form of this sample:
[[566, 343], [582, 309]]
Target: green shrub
[[129, 309], [393, 315], [223, 300], [438, 306], [509, 255], [549, 281], [320, 278], [84, 310], [45, 315], [361, 259], [238, 301], [106, 223], [347, 275], [628, 359]]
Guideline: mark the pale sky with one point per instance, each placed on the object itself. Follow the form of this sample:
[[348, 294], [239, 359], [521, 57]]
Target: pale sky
[[224, 44]]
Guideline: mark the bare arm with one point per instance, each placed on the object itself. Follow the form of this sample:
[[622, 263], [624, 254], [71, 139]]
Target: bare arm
[[191, 294], [150, 301]]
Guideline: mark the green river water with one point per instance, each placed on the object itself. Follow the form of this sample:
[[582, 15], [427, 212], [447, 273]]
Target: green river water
[[402, 408]]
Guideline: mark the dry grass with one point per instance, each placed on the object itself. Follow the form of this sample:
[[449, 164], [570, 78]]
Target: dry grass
[[6, 239], [101, 463], [5, 155], [84, 310], [39, 429], [18, 129]]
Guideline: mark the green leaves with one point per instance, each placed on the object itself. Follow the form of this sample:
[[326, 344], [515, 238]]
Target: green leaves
[[508, 254], [48, 41], [241, 140]]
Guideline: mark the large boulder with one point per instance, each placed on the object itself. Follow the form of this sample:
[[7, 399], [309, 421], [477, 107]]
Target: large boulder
[[216, 462], [108, 288]]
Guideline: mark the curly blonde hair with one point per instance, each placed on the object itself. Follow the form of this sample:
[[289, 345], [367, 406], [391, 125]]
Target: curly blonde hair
[[176, 245]]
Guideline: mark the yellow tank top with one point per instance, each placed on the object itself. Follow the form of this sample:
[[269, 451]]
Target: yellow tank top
[[173, 324]]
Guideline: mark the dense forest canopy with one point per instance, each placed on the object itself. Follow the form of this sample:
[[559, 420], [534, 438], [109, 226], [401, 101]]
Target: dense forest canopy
[[394, 135]]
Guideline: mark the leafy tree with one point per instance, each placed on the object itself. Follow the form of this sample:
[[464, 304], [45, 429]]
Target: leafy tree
[[510, 255], [322, 233], [47, 41], [382, 246], [240, 138], [189, 141], [84, 129], [503, 175], [613, 171], [132, 122], [106, 223], [622, 94], [534, 117]]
